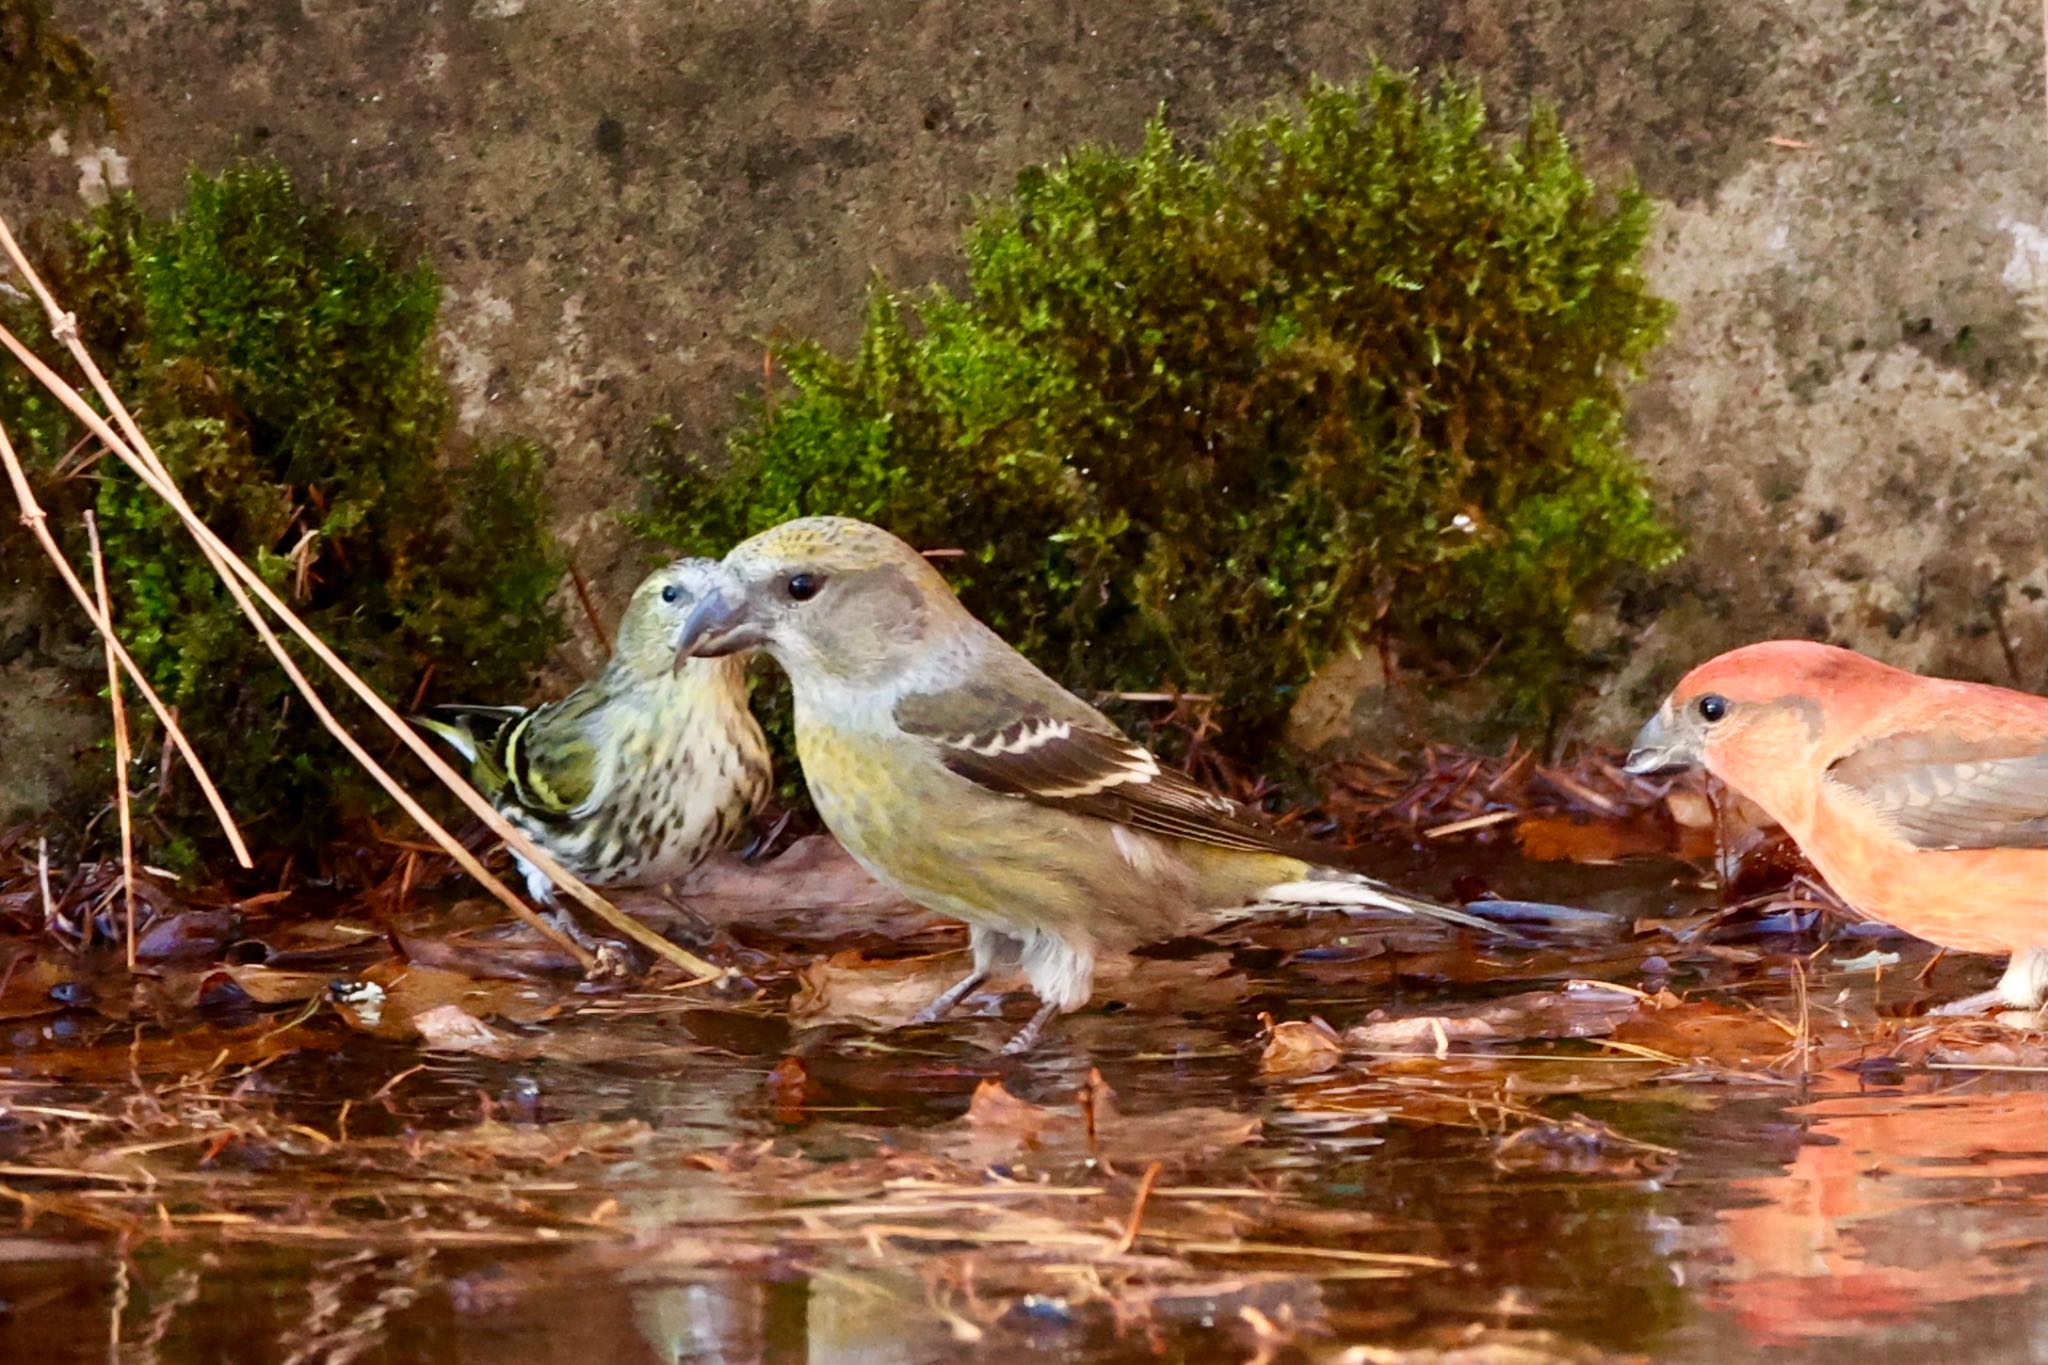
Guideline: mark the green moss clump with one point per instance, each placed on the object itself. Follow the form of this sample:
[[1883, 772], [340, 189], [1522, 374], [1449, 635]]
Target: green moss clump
[[279, 354], [47, 77], [1205, 416]]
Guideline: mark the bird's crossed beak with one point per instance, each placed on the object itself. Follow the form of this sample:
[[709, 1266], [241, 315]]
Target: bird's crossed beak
[[718, 625], [1661, 748]]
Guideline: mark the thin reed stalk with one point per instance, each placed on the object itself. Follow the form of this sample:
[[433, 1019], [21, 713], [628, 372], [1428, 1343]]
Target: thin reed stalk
[[33, 517], [121, 748], [242, 581]]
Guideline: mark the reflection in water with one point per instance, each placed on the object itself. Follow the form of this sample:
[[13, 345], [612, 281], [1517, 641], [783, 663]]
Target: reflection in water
[[1726, 1217], [833, 1316], [1893, 1205]]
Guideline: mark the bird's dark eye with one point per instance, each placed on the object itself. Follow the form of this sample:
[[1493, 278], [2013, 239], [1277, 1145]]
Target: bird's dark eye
[[670, 592], [802, 587], [1712, 707]]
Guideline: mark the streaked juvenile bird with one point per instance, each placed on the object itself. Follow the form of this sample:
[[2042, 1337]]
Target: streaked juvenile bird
[[641, 773], [1923, 802], [956, 772]]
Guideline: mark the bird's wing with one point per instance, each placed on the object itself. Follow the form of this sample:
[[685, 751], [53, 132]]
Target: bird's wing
[[1939, 791], [1052, 748], [477, 733], [556, 762]]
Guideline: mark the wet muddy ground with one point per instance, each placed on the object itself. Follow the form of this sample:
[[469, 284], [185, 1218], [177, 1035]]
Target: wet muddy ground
[[1308, 1139]]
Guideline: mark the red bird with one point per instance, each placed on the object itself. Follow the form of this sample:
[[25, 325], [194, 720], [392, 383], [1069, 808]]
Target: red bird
[[1924, 802]]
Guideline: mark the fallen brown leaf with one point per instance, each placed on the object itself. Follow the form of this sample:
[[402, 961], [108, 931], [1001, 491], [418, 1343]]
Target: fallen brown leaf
[[849, 988], [1578, 1011], [410, 990], [450, 1028], [267, 986], [1300, 1047], [1700, 1031], [1001, 1129]]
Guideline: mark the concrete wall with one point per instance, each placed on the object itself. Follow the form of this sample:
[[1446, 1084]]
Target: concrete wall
[[624, 196]]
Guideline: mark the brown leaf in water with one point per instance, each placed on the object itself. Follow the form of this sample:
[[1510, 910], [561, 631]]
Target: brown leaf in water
[[450, 1028], [27, 982], [187, 935], [789, 1087], [995, 1112], [1577, 1146], [1206, 983], [409, 991], [120, 1055], [1001, 1129], [521, 955], [1578, 1011], [850, 988], [1703, 1032], [1300, 1047], [546, 1143], [1559, 839], [267, 986]]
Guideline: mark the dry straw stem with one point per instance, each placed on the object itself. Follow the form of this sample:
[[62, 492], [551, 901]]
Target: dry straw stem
[[237, 576], [121, 749], [276, 647], [33, 517]]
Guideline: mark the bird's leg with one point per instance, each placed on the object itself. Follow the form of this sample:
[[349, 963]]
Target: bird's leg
[[693, 925], [1026, 1038], [1062, 972], [612, 962], [994, 951], [950, 1000]]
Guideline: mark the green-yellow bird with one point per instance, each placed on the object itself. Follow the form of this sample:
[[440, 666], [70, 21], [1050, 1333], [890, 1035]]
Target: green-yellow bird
[[956, 772], [641, 773]]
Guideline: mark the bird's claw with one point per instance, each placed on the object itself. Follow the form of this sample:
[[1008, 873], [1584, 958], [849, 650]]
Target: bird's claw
[[610, 962], [1026, 1038]]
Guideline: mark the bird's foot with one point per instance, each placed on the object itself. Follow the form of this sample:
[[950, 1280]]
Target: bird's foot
[[950, 1000], [688, 926], [612, 960], [1026, 1038], [563, 923]]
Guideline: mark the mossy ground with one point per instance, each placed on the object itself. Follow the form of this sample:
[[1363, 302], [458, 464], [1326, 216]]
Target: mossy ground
[[1350, 375]]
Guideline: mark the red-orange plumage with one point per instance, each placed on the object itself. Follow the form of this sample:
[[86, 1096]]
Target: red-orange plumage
[[1924, 802]]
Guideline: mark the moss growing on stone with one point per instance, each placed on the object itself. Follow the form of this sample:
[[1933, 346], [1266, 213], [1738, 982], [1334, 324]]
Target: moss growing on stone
[[279, 354], [48, 79], [1202, 416]]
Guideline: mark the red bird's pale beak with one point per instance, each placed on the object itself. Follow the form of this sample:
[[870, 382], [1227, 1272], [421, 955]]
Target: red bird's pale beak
[[1660, 748]]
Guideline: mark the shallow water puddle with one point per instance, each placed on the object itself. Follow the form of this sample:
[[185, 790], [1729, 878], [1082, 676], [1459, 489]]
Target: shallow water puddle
[[1730, 1147]]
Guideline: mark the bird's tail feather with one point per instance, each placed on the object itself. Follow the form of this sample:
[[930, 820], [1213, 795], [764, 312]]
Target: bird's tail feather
[[478, 733], [454, 732], [1352, 890]]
